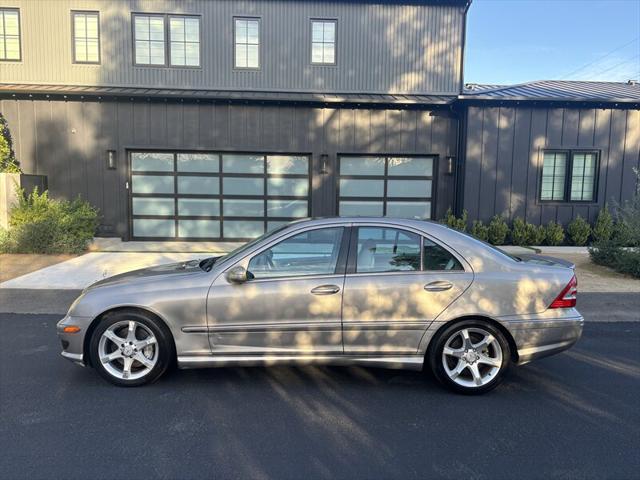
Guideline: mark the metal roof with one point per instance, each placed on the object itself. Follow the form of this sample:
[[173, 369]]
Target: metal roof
[[225, 95], [557, 91]]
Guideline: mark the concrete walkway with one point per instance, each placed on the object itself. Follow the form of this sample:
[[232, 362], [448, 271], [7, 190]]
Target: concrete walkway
[[80, 272]]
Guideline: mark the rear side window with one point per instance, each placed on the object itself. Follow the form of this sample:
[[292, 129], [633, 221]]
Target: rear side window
[[387, 250], [436, 258]]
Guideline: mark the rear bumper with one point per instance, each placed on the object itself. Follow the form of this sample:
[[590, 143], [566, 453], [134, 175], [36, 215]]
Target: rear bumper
[[540, 337]]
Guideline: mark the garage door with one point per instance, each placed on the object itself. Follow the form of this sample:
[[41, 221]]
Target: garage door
[[215, 196], [388, 186]]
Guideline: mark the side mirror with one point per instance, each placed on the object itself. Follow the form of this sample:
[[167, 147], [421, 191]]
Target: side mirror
[[237, 274]]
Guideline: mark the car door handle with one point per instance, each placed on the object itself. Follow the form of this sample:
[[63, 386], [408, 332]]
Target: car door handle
[[325, 290], [439, 286]]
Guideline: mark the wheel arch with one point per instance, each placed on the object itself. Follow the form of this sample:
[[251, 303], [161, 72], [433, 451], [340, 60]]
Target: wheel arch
[[512, 344], [96, 321]]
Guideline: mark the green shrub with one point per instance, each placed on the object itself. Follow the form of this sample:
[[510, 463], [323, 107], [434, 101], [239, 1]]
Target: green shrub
[[579, 231], [8, 162], [39, 224], [554, 233], [480, 230], [603, 228], [498, 230], [456, 223], [524, 233]]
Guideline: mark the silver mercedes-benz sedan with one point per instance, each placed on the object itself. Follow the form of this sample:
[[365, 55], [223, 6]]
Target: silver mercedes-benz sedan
[[376, 292]]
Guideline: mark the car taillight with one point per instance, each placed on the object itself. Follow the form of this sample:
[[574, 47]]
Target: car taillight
[[567, 297]]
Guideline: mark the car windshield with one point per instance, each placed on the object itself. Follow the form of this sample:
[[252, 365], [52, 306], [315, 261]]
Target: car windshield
[[246, 246]]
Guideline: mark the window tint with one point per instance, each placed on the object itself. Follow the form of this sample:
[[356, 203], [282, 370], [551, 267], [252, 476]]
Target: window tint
[[437, 258], [310, 253], [387, 250]]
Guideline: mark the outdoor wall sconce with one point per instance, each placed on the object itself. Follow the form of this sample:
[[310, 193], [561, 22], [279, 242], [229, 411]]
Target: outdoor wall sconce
[[111, 159], [324, 158], [450, 165]]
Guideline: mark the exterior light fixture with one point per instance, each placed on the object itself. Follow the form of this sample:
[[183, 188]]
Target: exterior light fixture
[[450, 165], [111, 159], [324, 158]]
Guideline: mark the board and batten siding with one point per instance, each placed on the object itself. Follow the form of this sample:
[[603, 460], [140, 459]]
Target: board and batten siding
[[380, 48], [68, 142], [505, 148]]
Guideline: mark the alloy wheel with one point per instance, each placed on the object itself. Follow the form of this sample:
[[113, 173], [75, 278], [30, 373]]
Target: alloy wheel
[[128, 350], [472, 357]]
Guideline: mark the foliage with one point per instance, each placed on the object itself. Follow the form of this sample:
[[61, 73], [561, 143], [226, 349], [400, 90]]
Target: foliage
[[579, 231], [39, 224], [498, 230], [603, 228], [456, 223], [8, 161], [480, 230], [554, 233], [524, 233]]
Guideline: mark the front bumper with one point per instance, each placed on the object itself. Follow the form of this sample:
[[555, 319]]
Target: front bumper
[[540, 337], [73, 343]]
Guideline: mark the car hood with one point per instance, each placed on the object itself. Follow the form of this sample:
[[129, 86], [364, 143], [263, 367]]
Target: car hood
[[144, 274], [545, 260]]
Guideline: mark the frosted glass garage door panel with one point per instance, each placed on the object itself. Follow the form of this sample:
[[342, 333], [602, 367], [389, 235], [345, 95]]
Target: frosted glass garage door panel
[[361, 188], [243, 164], [362, 166], [194, 207], [287, 208], [287, 164], [152, 162], [198, 162], [242, 208], [294, 187], [242, 229], [362, 209], [147, 227], [199, 228], [243, 186], [410, 166], [199, 185], [409, 188], [421, 210], [152, 184], [153, 206]]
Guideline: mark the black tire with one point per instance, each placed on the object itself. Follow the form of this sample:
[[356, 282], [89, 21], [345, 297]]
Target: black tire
[[165, 346], [436, 362]]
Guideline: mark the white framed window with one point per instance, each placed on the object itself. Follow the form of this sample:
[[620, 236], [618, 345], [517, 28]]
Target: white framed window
[[86, 37], [10, 35], [246, 43], [184, 38], [323, 42], [149, 39]]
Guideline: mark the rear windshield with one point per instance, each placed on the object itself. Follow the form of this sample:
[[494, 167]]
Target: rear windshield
[[510, 256]]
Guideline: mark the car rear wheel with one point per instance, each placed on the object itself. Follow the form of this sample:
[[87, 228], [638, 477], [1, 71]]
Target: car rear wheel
[[470, 357], [130, 348]]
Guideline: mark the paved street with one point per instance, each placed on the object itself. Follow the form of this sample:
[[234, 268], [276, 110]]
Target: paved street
[[573, 415]]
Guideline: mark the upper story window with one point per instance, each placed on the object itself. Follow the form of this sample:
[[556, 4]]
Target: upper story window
[[323, 42], [184, 33], [86, 37], [569, 176], [149, 39], [10, 34], [247, 43]]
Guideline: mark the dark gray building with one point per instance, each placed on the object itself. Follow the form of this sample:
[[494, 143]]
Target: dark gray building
[[222, 119]]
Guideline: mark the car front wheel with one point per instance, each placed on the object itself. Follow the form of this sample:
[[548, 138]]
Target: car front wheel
[[470, 357], [130, 348]]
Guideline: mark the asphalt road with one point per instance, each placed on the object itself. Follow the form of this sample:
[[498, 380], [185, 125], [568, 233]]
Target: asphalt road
[[575, 415]]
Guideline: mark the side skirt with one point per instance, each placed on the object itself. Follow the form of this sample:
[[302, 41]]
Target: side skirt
[[406, 362]]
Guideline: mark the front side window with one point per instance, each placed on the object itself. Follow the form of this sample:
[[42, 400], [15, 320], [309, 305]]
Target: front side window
[[184, 33], [247, 43], [569, 176], [86, 37], [9, 34], [314, 252], [387, 250], [323, 42], [149, 40]]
